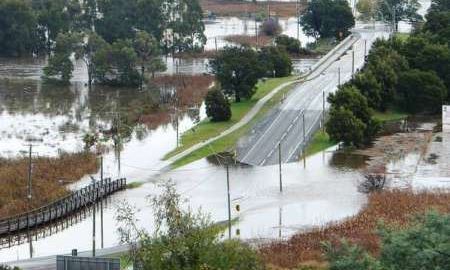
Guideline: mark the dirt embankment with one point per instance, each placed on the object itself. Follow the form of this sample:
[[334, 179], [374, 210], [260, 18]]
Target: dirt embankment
[[235, 8], [50, 175]]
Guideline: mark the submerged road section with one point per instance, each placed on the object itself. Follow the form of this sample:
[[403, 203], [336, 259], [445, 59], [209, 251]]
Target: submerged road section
[[285, 132]]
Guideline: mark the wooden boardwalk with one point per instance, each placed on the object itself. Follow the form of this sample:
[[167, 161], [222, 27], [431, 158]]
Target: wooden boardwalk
[[62, 208]]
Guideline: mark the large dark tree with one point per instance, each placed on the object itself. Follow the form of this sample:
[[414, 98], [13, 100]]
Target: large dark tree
[[18, 29], [327, 18], [344, 126], [420, 91], [275, 61], [217, 106], [237, 69]]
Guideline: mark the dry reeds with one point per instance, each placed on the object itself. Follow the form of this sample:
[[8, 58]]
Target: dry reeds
[[395, 208], [49, 177], [229, 8], [261, 41]]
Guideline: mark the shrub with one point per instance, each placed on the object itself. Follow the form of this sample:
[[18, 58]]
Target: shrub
[[290, 44], [271, 27], [217, 106], [275, 61]]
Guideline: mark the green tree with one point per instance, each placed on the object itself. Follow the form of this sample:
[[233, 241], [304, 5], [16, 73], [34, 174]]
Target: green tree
[[187, 27], [271, 27], [438, 24], [350, 98], [427, 56], [237, 69], [182, 240], [86, 49], [367, 9], [18, 28], [327, 18], [275, 61], [404, 10], [147, 50], [344, 126], [420, 91], [217, 106], [54, 17], [368, 85], [60, 64], [118, 20], [346, 256]]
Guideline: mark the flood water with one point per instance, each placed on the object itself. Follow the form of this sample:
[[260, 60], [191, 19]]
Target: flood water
[[320, 190]]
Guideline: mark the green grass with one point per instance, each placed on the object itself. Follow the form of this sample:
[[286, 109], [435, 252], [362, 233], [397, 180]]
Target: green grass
[[390, 115], [322, 46], [403, 36], [228, 142], [207, 129], [134, 185], [320, 142]]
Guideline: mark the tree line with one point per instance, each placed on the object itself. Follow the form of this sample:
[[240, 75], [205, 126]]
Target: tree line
[[238, 70], [110, 36], [409, 75]]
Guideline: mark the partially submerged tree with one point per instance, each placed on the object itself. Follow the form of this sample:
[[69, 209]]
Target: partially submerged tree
[[327, 18], [148, 51], [237, 69]]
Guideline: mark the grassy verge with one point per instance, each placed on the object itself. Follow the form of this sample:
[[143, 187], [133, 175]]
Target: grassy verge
[[320, 142], [390, 115], [403, 36], [228, 142], [322, 46], [207, 129]]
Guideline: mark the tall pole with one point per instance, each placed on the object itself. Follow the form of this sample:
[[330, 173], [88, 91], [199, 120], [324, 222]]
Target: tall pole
[[304, 129], [229, 201], [298, 19], [365, 48], [280, 168], [215, 41], [353, 62], [339, 76], [30, 169], [323, 110], [101, 201], [93, 218]]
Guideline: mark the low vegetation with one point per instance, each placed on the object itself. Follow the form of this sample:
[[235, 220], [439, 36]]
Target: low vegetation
[[50, 175], [320, 142], [183, 239], [394, 208]]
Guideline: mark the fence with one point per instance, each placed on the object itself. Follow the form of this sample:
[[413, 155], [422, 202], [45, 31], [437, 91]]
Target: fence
[[81, 263], [64, 207]]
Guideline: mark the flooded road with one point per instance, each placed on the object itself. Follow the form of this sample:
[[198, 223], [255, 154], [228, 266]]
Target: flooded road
[[320, 191]]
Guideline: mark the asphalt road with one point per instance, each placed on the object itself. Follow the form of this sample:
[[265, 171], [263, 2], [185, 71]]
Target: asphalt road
[[294, 121]]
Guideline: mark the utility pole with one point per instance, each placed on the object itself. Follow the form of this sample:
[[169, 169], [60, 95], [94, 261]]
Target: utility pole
[[215, 41], [323, 110], [298, 19], [93, 218], [101, 201], [229, 201], [365, 48], [30, 171], [280, 168], [339, 76], [353, 61], [304, 130]]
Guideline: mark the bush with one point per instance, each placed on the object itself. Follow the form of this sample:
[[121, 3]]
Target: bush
[[271, 27], [424, 245], [183, 239], [344, 126], [217, 106], [290, 44], [275, 61]]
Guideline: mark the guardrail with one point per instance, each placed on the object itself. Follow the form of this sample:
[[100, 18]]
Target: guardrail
[[61, 208]]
